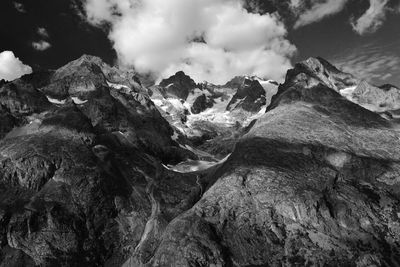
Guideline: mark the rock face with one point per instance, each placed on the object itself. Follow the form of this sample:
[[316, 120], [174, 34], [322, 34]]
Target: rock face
[[317, 70], [385, 98], [381, 99], [178, 85], [19, 100], [87, 174], [250, 96], [201, 103]]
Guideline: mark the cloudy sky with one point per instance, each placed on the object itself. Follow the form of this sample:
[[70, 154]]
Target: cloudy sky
[[211, 40]]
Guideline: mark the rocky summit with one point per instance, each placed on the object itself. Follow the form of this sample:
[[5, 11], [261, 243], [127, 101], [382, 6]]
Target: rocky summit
[[97, 169]]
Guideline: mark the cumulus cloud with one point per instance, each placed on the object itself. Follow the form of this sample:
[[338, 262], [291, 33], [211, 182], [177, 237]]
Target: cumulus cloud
[[372, 19], [42, 32], [11, 67], [318, 10], [386, 76], [19, 7], [210, 40], [41, 45]]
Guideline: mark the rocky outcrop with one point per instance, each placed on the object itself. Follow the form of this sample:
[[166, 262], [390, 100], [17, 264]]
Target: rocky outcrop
[[312, 71], [379, 99], [250, 96], [178, 85], [19, 100], [22, 98], [201, 103], [69, 201]]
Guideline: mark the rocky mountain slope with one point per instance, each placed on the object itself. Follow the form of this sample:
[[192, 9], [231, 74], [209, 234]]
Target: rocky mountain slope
[[383, 99], [97, 170], [380, 99], [77, 161]]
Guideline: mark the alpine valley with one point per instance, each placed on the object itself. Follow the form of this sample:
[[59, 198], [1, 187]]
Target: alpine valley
[[100, 167]]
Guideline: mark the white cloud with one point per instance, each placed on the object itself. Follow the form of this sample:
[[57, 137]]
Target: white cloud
[[42, 32], [19, 7], [386, 76], [41, 45], [370, 63], [11, 67], [318, 11], [157, 36], [372, 19]]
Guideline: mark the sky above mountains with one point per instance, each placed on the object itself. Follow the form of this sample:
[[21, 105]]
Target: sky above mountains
[[211, 40]]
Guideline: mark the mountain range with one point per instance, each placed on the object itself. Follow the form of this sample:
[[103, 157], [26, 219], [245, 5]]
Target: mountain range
[[99, 168]]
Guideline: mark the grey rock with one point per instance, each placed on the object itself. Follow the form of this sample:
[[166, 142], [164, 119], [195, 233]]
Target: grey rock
[[250, 96], [179, 85], [201, 103]]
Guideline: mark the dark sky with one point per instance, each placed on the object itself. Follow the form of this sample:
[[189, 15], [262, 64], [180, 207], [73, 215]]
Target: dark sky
[[69, 35], [334, 40], [373, 56]]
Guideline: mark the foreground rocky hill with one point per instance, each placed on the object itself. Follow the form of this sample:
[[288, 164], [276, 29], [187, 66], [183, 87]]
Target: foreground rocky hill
[[93, 170]]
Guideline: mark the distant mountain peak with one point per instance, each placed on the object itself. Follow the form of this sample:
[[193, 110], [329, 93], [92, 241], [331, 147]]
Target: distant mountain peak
[[84, 59], [320, 62], [178, 77], [178, 85], [239, 81], [250, 96], [317, 70]]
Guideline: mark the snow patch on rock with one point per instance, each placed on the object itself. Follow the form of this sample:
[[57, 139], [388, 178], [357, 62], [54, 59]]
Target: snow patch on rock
[[56, 101], [175, 136], [348, 92], [78, 101], [118, 86]]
